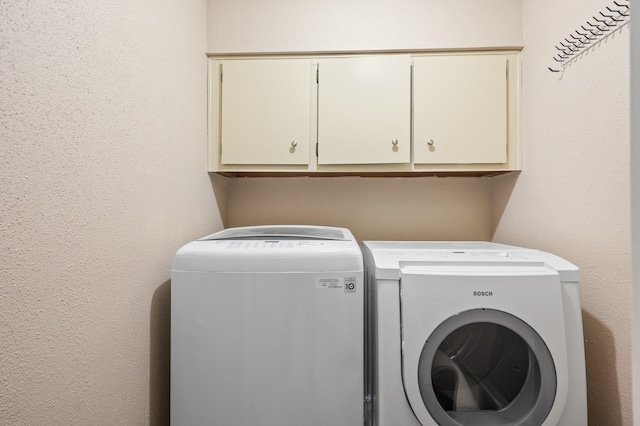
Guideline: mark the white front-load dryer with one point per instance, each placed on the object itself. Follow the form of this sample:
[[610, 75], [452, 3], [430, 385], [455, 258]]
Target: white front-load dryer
[[266, 328], [472, 334]]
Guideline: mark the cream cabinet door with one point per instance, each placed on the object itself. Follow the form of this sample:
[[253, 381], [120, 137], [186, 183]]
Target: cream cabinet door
[[364, 109], [265, 110], [460, 109]]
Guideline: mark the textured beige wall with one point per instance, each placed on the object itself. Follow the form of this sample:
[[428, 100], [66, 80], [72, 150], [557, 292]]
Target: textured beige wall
[[336, 25], [102, 178], [635, 211], [372, 208], [573, 196]]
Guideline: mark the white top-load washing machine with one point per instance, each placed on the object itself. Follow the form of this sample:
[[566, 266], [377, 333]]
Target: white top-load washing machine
[[267, 328], [473, 333]]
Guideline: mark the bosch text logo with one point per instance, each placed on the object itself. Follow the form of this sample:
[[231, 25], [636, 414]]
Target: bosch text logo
[[483, 293]]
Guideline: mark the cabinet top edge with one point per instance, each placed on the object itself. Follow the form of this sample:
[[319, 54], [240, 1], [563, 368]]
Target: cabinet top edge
[[501, 49]]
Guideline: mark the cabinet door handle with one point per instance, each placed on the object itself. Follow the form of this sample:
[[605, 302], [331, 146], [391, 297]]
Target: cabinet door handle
[[394, 142], [430, 142], [294, 144]]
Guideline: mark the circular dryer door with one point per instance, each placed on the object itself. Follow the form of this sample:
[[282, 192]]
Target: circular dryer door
[[486, 367]]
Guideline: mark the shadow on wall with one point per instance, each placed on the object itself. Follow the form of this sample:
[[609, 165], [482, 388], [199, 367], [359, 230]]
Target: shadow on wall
[[603, 396], [501, 190], [220, 186], [160, 356]]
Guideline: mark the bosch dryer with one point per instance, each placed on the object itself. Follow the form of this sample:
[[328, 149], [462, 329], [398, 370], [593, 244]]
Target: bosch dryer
[[473, 334]]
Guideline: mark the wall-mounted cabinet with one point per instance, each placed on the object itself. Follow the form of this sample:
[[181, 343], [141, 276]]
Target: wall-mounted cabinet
[[384, 114], [460, 109], [265, 112], [364, 110]]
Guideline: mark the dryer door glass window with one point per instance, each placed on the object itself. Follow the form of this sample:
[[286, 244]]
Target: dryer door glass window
[[486, 367]]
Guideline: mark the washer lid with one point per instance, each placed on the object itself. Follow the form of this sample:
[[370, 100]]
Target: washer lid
[[259, 249], [293, 232]]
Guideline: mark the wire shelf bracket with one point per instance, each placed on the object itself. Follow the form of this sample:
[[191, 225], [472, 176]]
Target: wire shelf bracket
[[598, 28]]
